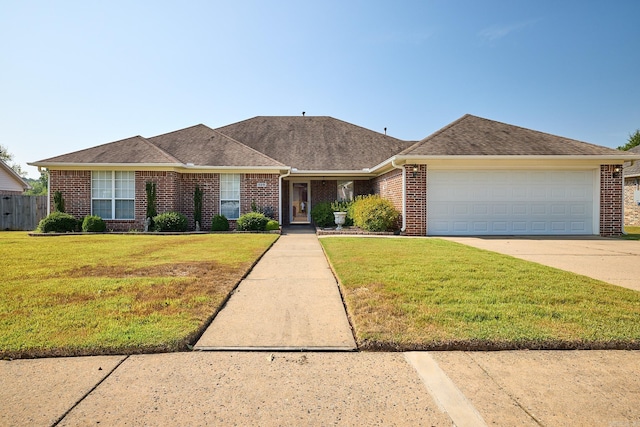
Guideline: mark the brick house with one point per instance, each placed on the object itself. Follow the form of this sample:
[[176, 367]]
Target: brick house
[[632, 191], [10, 182], [474, 176]]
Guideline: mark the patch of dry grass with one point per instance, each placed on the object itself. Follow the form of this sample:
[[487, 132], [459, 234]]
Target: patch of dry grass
[[105, 294]]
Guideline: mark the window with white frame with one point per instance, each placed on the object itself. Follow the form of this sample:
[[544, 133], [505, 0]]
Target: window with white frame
[[230, 195], [345, 190], [113, 194]]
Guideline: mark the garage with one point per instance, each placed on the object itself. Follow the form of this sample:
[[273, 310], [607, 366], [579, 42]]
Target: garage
[[512, 202]]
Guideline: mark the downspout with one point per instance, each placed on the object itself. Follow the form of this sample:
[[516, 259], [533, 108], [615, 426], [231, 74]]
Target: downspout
[[404, 194], [280, 195]]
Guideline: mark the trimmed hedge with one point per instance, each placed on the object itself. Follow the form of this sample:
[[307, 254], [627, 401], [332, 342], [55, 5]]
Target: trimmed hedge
[[219, 223], [58, 222], [322, 215], [373, 213], [272, 225], [170, 221], [252, 221], [93, 224]]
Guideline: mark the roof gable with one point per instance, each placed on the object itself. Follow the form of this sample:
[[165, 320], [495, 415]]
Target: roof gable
[[202, 146], [317, 143], [632, 170], [10, 180], [475, 136], [131, 150]]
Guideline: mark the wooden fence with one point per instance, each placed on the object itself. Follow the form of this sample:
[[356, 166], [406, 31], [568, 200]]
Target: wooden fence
[[21, 212]]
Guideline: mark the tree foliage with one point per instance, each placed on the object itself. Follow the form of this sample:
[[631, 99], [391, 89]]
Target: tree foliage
[[7, 157], [633, 141], [39, 187]]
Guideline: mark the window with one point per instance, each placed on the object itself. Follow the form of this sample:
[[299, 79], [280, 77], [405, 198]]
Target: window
[[345, 190], [113, 194], [230, 195]]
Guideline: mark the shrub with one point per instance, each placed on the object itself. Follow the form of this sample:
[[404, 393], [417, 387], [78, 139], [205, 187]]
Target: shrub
[[93, 224], [197, 205], [58, 222], [322, 214], [373, 213], [58, 202], [170, 221], [219, 223], [269, 212], [252, 221], [272, 225]]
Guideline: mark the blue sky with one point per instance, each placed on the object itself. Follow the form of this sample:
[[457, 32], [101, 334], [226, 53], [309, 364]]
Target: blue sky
[[75, 74]]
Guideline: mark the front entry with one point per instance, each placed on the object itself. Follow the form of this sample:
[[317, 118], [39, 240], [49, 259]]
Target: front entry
[[299, 209]]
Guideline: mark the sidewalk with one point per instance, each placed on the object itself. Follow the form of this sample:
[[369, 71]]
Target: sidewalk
[[289, 301]]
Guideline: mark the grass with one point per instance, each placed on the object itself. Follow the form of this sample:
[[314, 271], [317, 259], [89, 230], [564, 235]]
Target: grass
[[633, 233], [436, 294], [106, 294]]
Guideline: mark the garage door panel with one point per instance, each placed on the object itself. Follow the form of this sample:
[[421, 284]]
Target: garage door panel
[[510, 202]]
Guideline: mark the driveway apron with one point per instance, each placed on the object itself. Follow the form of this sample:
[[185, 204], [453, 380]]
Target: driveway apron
[[289, 301]]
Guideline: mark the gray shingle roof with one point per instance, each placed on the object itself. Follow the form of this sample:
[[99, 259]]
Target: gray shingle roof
[[629, 170], [204, 146], [475, 136], [315, 143]]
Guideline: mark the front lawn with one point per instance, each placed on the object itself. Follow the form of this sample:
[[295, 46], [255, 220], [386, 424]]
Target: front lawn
[[411, 294], [633, 233], [103, 294]]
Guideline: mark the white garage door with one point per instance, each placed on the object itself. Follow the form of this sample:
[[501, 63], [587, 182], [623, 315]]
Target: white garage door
[[510, 202]]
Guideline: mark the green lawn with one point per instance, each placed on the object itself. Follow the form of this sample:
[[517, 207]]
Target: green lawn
[[101, 294], [633, 233], [409, 294]]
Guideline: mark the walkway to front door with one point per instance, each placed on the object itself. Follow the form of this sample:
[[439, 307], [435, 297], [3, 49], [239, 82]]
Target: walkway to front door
[[289, 301]]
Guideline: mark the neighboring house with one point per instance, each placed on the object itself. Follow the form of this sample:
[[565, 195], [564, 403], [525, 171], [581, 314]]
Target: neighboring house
[[10, 181], [632, 191], [472, 177]]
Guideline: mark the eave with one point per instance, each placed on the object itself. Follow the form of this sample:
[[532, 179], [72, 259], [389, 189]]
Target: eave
[[173, 167]]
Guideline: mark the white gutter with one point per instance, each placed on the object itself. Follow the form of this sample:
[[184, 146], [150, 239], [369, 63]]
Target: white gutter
[[280, 178], [404, 194]]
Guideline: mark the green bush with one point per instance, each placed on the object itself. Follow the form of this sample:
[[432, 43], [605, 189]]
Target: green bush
[[322, 215], [373, 213], [272, 225], [93, 224], [219, 223], [58, 202], [58, 222], [252, 221], [170, 221]]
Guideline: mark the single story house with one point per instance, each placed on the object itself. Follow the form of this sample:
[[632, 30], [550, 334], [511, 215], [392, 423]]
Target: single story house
[[632, 191], [473, 177], [10, 182]]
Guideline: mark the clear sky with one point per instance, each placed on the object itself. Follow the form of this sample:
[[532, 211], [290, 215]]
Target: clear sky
[[75, 74]]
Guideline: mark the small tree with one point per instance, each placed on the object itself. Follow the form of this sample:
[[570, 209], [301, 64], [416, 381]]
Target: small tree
[[197, 205], [150, 188], [633, 141], [58, 202]]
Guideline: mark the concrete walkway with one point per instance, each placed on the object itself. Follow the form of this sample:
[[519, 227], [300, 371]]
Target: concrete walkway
[[289, 301]]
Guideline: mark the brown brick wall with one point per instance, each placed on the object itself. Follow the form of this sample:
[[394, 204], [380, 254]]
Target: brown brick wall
[[209, 183], [327, 192], [416, 223], [262, 196], [611, 201], [75, 186], [389, 186], [631, 208]]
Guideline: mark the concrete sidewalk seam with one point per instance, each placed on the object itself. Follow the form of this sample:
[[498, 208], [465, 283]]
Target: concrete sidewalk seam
[[502, 389], [84, 396], [443, 390]]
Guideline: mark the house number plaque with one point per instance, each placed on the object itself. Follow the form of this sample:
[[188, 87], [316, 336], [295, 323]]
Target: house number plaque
[[262, 185]]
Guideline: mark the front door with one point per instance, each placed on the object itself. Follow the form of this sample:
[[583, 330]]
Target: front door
[[299, 209]]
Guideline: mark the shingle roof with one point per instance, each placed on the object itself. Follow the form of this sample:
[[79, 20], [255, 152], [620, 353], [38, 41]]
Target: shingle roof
[[131, 150], [204, 146], [315, 142], [629, 170], [475, 136]]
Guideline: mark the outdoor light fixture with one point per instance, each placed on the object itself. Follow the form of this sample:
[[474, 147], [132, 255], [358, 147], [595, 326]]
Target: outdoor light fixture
[[616, 172], [415, 171]]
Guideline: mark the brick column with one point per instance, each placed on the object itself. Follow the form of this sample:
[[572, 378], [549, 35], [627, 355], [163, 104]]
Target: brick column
[[416, 200], [611, 201]]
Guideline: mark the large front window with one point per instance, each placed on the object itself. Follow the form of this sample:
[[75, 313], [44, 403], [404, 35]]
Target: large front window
[[113, 194], [230, 195]]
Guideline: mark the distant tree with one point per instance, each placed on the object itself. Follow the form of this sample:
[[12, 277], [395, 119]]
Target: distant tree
[[7, 157], [633, 141], [39, 187]]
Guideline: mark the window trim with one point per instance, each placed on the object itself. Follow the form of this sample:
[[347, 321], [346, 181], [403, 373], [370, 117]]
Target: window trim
[[113, 199], [239, 181]]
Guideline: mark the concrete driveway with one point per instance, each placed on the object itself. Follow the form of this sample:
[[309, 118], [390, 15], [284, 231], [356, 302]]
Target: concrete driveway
[[610, 260]]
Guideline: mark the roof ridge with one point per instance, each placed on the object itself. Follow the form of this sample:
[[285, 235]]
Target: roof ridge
[[247, 147], [161, 151]]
